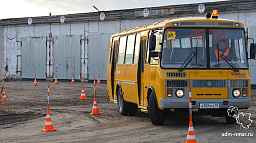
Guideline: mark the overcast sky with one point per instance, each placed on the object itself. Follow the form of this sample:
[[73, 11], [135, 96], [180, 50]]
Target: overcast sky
[[33, 8]]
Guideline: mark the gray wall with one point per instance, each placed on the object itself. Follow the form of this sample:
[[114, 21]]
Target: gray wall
[[98, 55], [66, 56], [33, 57], [1, 51]]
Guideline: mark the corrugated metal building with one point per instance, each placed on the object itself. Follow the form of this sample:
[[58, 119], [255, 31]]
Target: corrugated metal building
[[82, 41]]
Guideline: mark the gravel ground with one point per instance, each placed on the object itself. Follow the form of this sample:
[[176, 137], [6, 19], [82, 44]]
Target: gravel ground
[[23, 116]]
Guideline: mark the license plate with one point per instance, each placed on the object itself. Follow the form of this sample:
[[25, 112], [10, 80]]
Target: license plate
[[209, 105]]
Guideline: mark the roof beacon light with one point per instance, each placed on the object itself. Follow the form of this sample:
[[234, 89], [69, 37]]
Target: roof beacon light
[[215, 14]]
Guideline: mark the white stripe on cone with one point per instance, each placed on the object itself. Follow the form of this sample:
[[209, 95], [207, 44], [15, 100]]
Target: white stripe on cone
[[191, 137], [190, 129], [48, 123]]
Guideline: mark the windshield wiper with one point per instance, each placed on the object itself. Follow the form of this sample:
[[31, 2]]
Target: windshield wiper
[[187, 61], [225, 59], [229, 63]]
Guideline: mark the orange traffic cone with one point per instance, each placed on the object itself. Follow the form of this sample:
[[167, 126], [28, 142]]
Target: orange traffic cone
[[83, 93], [95, 110], [191, 138], [73, 80], [35, 82], [4, 95], [99, 77], [48, 122], [56, 82]]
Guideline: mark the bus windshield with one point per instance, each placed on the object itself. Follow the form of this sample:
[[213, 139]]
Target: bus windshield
[[189, 48]]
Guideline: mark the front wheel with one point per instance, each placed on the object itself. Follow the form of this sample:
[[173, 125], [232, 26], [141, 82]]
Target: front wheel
[[231, 114], [230, 120], [156, 115]]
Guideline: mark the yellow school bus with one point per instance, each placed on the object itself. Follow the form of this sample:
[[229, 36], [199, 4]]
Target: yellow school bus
[[152, 67]]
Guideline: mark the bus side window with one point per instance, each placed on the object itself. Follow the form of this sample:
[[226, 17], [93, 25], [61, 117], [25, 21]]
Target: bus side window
[[136, 50], [154, 60], [146, 52], [121, 53], [111, 51], [116, 55], [130, 49], [142, 54]]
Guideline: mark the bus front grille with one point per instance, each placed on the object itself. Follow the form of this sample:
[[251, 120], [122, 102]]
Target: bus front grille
[[177, 83], [176, 74], [239, 83], [208, 83]]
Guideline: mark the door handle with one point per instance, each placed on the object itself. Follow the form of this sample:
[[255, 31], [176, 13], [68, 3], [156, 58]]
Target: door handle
[[67, 66]]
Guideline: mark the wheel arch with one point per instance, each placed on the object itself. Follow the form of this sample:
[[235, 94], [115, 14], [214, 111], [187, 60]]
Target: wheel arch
[[150, 90], [118, 85]]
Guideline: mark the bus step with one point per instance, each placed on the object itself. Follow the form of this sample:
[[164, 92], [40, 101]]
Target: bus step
[[144, 110], [143, 107]]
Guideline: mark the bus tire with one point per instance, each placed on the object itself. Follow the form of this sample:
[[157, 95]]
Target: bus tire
[[122, 104], [156, 115], [133, 109], [230, 120]]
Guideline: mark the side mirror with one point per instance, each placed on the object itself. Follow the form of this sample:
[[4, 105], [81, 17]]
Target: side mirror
[[153, 54], [152, 42], [252, 50]]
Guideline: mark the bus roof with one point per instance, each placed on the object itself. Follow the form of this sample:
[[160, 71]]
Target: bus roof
[[185, 22]]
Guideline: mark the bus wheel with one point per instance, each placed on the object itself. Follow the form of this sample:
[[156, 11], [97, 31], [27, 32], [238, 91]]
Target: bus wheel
[[230, 120], [156, 115], [122, 104], [133, 109]]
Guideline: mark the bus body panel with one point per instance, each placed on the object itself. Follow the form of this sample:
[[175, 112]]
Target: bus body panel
[[126, 75]]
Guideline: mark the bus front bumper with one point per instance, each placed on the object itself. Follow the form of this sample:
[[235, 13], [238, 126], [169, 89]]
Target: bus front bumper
[[184, 103]]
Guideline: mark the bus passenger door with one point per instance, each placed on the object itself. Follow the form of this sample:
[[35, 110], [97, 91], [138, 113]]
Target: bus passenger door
[[111, 69], [141, 79]]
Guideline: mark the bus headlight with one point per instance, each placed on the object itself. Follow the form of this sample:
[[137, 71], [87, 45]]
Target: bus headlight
[[236, 93], [180, 93]]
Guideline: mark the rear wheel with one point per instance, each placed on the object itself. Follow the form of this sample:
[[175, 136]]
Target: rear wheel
[[122, 104], [156, 115], [133, 109]]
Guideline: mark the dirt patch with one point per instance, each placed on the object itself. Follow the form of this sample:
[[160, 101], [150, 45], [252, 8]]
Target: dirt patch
[[23, 116], [11, 119]]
